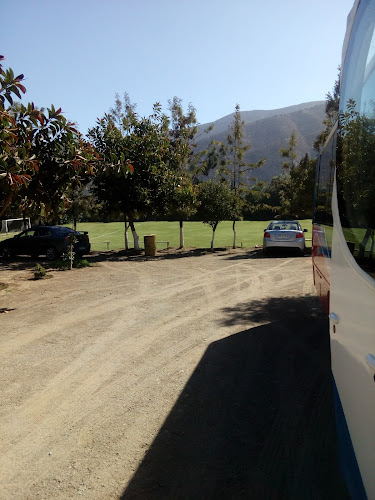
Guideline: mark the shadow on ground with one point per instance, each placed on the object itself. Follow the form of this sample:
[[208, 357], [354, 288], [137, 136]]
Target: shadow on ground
[[257, 253], [23, 263], [286, 310], [256, 419]]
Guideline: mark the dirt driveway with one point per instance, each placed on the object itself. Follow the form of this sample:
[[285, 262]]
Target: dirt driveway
[[190, 375]]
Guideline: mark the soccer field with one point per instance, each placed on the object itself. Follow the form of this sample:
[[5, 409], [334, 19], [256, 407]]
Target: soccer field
[[197, 234]]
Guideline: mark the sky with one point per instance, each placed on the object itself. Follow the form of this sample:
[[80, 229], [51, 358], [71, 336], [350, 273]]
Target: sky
[[260, 54]]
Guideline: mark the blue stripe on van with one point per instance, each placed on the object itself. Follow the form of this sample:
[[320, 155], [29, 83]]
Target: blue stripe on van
[[348, 461]]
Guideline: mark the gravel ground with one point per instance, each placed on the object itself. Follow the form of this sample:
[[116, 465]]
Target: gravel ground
[[188, 375]]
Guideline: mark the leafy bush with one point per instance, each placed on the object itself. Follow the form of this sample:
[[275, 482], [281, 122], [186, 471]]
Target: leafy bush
[[79, 263], [39, 272], [64, 265]]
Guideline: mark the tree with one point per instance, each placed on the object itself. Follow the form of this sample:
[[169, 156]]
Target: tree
[[142, 146], [83, 204], [290, 153], [355, 172], [302, 179], [332, 113], [234, 165], [40, 153], [216, 203], [263, 200], [288, 165], [16, 161], [65, 161], [182, 131]]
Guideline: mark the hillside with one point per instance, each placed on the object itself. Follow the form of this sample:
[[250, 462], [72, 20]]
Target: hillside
[[269, 130]]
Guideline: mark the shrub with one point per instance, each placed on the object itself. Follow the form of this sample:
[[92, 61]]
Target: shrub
[[64, 265], [39, 272], [79, 263]]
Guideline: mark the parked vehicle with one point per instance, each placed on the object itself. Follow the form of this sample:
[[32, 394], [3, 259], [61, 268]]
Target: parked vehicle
[[51, 241], [284, 234], [343, 251]]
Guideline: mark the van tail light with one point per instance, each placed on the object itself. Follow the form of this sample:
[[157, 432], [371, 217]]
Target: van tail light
[[267, 235], [299, 234]]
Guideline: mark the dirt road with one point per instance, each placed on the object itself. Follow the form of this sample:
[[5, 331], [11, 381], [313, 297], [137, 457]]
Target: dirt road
[[169, 377]]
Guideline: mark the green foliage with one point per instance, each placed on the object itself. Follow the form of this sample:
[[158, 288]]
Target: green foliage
[[9, 85], [217, 202], [290, 153], [263, 200], [297, 184], [83, 204], [63, 264], [355, 167], [332, 114], [182, 131], [140, 147], [156, 150], [80, 263], [39, 272], [41, 153], [232, 158]]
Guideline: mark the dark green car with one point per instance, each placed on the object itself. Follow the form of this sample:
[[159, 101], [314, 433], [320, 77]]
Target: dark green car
[[51, 241]]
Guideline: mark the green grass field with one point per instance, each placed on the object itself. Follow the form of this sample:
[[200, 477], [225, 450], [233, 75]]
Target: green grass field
[[197, 234]]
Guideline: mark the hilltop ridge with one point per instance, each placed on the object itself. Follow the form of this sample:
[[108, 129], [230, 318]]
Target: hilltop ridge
[[269, 130]]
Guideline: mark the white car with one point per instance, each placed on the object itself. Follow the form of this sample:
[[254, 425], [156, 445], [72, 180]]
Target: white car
[[284, 234]]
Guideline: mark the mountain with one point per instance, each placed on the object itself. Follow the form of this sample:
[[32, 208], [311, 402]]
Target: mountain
[[269, 130]]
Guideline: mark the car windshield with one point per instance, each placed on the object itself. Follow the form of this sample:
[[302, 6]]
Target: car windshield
[[290, 225]]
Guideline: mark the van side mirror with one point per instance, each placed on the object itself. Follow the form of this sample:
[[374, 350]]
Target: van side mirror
[[305, 230]]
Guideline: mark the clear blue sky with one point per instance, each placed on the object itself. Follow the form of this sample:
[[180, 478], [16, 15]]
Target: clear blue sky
[[262, 54]]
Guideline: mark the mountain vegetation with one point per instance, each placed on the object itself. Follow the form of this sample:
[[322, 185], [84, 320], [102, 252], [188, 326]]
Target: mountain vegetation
[[269, 130]]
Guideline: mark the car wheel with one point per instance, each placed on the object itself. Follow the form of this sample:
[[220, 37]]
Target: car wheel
[[51, 253], [266, 252], [302, 253], [6, 253]]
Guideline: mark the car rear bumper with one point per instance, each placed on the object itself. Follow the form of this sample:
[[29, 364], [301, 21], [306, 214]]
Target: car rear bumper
[[299, 244]]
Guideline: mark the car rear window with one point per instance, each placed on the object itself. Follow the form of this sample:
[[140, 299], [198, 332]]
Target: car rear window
[[62, 230], [284, 226]]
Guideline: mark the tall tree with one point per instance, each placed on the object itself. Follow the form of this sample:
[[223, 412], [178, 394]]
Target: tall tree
[[288, 165], [182, 131], [290, 152], [234, 165], [332, 113]]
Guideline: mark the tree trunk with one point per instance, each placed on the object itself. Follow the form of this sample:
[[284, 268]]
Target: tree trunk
[[213, 236], [372, 244], [134, 232], [126, 234], [363, 243], [75, 223], [234, 234], [181, 234], [71, 253]]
